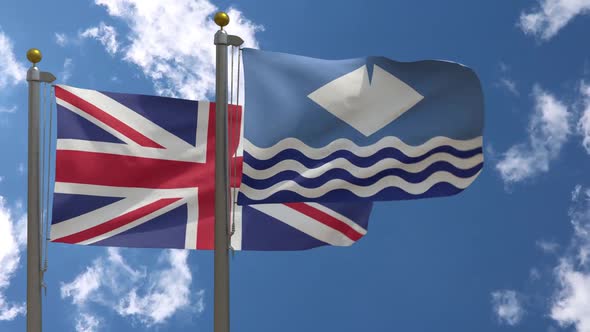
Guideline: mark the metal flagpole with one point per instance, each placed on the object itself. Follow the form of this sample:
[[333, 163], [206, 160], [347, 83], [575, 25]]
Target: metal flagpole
[[221, 256], [35, 77]]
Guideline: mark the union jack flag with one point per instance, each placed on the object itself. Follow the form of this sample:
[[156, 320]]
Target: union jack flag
[[138, 171]]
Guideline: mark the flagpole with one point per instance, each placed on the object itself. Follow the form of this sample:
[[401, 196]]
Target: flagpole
[[221, 255], [35, 77]]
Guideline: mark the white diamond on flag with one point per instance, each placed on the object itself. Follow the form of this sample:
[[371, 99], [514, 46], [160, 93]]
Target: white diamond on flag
[[366, 106]]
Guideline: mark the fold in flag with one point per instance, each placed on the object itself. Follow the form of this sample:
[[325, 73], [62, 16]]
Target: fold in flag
[[367, 128], [138, 171]]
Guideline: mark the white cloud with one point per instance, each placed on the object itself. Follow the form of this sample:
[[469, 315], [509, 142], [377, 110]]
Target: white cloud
[[535, 274], [549, 128], [21, 168], [507, 306], [550, 16], [584, 123], [66, 74], [105, 34], [504, 67], [183, 66], [576, 192], [84, 285], [571, 304], [87, 323], [11, 245], [11, 109], [580, 220], [547, 246], [167, 293], [12, 72], [151, 297], [509, 85], [61, 39]]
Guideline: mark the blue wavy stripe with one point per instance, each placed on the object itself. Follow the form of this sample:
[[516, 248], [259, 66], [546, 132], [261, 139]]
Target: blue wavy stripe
[[339, 173], [384, 153], [340, 195]]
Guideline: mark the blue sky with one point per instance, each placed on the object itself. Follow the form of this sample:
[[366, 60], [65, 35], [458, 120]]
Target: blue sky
[[511, 253]]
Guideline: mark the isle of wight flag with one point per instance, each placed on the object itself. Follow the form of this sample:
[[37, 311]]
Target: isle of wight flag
[[368, 128]]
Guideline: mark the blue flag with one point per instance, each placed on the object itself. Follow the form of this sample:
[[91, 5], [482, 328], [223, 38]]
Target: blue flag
[[368, 128]]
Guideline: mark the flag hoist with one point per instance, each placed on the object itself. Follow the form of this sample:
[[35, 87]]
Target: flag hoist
[[222, 190], [35, 77]]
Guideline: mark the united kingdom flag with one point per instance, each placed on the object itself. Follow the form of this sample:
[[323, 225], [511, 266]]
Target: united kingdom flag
[[138, 171]]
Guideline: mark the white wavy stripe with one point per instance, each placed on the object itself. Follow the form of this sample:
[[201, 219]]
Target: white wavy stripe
[[360, 191], [360, 151], [358, 171]]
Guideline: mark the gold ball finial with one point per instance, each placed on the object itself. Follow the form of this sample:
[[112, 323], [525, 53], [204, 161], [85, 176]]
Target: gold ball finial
[[34, 55], [221, 19]]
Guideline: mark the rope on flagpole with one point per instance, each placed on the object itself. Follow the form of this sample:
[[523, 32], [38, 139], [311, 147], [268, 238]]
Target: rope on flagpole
[[234, 165], [42, 157], [231, 139], [46, 175], [234, 116], [43, 133]]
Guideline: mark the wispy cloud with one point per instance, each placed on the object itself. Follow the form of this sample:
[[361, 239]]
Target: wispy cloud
[[507, 307], [504, 67], [166, 294], [87, 323], [61, 39], [12, 242], [535, 274], [550, 16], [549, 128], [85, 284], [12, 72], [150, 298], [21, 168], [584, 123], [183, 66], [571, 304], [11, 109], [105, 34], [548, 247], [66, 73], [509, 85]]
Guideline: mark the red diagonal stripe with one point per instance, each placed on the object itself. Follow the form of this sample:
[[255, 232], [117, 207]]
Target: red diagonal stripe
[[105, 118], [117, 222], [326, 219]]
